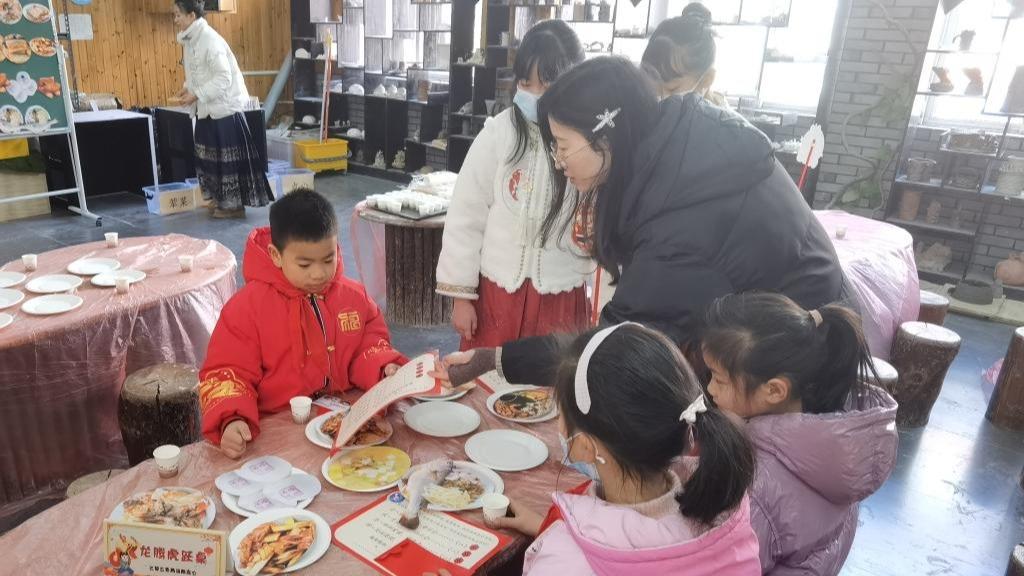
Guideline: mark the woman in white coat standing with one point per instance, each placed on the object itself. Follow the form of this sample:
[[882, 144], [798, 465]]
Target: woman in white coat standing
[[227, 161]]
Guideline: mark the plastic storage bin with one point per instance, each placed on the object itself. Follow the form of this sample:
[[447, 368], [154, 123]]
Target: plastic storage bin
[[331, 154], [200, 202], [170, 198], [295, 178], [274, 179]]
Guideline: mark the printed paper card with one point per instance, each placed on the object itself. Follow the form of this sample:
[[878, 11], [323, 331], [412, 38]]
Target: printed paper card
[[153, 550], [410, 380], [441, 540]]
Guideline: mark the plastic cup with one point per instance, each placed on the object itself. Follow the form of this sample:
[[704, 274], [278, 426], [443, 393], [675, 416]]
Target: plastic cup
[[121, 285], [111, 239], [186, 263], [841, 233], [30, 261], [167, 457], [495, 506], [301, 406]]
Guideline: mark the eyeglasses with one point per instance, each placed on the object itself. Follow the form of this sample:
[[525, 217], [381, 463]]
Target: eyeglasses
[[560, 162]]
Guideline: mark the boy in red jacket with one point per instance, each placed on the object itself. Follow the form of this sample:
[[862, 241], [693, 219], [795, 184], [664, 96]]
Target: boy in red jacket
[[297, 328]]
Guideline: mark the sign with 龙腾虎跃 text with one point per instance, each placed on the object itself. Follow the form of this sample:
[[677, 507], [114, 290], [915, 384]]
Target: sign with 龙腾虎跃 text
[[153, 550]]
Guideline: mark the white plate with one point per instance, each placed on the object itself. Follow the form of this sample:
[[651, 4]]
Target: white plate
[[53, 284], [506, 450], [494, 398], [52, 304], [93, 266], [10, 297], [444, 397], [8, 279], [211, 510], [107, 279], [442, 419], [314, 435], [5, 320], [493, 484], [231, 502], [265, 469], [321, 544]]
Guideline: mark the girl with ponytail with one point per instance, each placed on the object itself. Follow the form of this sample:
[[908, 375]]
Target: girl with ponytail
[[824, 439], [632, 414]]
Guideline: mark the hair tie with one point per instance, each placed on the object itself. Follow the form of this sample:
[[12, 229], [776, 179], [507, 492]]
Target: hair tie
[[816, 318], [698, 406], [582, 388]]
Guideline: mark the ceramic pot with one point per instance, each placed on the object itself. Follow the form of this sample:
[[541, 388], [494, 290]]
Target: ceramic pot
[[910, 203]]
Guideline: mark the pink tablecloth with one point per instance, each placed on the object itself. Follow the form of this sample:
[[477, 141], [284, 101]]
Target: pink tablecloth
[[60, 376], [878, 260], [71, 531]]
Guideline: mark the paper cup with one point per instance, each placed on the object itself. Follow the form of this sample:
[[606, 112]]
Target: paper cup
[[30, 261], [186, 263], [494, 505], [301, 406], [111, 239], [121, 285], [841, 232], [166, 457]]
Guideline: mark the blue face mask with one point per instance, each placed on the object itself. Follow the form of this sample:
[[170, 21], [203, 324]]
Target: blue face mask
[[585, 468], [527, 104]]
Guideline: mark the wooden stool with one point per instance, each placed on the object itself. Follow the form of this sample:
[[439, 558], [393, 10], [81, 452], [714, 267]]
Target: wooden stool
[[887, 374], [1006, 407], [90, 480], [933, 308], [1016, 564], [158, 405], [922, 354]]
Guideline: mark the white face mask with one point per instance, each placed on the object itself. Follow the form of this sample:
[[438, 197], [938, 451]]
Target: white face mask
[[527, 104]]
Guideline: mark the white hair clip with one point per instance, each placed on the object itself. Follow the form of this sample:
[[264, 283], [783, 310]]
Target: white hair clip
[[582, 389], [698, 406], [606, 119]]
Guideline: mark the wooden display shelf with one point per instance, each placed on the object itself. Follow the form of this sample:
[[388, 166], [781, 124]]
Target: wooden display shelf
[[940, 229]]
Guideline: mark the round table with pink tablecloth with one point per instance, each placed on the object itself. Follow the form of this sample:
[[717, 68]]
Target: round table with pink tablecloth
[[878, 260], [60, 375]]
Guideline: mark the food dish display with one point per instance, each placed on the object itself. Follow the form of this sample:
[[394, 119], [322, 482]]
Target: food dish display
[[275, 546], [176, 506], [43, 47], [367, 470], [323, 429], [36, 13], [10, 11], [524, 404], [16, 49]]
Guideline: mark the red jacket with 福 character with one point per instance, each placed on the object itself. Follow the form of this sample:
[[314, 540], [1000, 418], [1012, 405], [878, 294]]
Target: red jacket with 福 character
[[269, 345]]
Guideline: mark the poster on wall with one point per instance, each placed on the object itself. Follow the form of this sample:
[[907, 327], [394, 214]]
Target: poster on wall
[[31, 99]]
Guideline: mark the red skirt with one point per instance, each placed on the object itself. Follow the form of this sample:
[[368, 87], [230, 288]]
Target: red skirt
[[503, 317]]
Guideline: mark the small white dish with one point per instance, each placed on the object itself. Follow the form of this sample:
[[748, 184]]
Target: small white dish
[[321, 542], [52, 304], [10, 297], [93, 266], [453, 395], [8, 279], [442, 419], [265, 469], [5, 320], [231, 502], [314, 435], [211, 510], [109, 279], [506, 450], [53, 284]]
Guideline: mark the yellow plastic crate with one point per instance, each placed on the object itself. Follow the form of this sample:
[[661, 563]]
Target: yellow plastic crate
[[13, 148], [331, 154]]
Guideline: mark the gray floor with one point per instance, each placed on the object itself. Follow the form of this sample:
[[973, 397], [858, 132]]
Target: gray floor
[[952, 506]]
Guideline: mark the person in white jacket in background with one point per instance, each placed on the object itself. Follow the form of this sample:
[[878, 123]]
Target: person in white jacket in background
[[507, 281], [227, 161]]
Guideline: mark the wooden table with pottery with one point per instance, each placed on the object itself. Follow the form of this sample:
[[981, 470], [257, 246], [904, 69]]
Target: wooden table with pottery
[[411, 251], [72, 530], [61, 372]]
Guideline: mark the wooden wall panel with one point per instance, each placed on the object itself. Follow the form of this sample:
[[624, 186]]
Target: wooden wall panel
[[135, 56]]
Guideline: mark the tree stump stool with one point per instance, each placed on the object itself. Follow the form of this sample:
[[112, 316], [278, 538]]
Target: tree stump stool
[[922, 354], [158, 405], [1016, 565], [933, 308], [887, 375], [411, 252], [1006, 407], [89, 481]]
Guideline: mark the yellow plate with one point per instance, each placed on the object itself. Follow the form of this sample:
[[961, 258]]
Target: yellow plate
[[367, 470]]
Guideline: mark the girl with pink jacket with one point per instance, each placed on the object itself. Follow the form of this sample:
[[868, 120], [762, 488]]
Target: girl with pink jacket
[[824, 440], [629, 406]]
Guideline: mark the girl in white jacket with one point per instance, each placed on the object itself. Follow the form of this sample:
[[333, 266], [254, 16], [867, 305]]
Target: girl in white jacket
[[507, 282], [227, 162]]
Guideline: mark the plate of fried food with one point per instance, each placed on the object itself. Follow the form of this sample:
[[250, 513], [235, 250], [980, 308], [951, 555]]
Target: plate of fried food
[[43, 47], [523, 404], [367, 470], [37, 13], [10, 11], [460, 488], [49, 87], [279, 541], [323, 429], [174, 506], [16, 48]]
